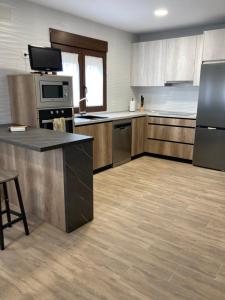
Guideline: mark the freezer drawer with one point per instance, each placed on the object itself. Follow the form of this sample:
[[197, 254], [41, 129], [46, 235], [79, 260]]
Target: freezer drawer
[[121, 141], [209, 148]]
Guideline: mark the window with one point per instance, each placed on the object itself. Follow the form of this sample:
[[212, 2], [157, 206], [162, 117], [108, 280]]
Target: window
[[85, 60], [94, 80], [71, 68]]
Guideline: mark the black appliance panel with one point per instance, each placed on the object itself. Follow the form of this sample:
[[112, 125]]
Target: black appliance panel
[[211, 104], [46, 117], [209, 149]]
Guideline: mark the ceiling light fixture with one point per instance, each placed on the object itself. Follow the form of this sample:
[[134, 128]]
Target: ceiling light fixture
[[162, 12]]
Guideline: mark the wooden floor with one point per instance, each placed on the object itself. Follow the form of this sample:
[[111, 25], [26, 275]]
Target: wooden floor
[[158, 233]]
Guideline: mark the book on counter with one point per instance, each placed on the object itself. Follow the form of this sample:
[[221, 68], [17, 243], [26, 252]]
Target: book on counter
[[18, 128]]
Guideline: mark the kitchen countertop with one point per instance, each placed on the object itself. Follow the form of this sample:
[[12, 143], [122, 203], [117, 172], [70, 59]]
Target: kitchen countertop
[[126, 114], [39, 139]]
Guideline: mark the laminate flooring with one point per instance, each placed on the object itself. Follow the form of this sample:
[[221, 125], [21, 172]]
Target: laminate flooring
[[158, 234]]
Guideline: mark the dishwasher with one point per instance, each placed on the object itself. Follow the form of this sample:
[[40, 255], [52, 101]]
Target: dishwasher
[[121, 141]]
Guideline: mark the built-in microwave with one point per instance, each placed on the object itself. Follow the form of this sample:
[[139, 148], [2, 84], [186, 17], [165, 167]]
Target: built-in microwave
[[54, 91]]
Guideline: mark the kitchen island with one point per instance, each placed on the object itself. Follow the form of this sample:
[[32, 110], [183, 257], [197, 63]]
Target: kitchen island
[[55, 174]]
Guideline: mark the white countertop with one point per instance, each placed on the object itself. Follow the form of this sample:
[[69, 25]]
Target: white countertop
[[126, 114]]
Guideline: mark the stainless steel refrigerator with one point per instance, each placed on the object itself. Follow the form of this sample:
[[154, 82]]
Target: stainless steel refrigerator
[[209, 148]]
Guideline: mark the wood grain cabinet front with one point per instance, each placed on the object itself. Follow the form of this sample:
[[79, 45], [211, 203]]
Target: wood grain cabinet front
[[138, 135], [178, 150], [170, 137], [148, 63], [102, 145], [180, 59], [171, 133]]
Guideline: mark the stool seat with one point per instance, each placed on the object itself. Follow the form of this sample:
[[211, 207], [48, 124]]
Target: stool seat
[[7, 175]]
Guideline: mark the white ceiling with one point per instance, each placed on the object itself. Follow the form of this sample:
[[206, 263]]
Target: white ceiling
[[137, 15]]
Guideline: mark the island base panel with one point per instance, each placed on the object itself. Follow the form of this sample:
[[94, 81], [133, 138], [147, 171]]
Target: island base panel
[[78, 183]]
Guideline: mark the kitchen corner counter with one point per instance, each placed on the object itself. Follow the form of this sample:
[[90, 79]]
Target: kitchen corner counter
[[40, 139], [55, 172], [126, 115]]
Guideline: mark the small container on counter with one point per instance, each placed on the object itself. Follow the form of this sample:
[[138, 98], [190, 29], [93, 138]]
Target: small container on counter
[[132, 106]]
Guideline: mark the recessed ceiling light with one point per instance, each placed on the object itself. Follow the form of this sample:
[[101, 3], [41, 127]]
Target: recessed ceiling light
[[162, 12]]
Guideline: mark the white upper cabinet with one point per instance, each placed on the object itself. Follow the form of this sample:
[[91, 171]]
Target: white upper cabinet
[[180, 59], [198, 60], [214, 45], [138, 77], [148, 63]]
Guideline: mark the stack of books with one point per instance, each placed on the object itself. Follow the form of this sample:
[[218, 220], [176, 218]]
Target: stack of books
[[17, 128]]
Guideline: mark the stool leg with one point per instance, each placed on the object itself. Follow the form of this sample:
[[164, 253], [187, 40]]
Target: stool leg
[[7, 203], [21, 206], [1, 227]]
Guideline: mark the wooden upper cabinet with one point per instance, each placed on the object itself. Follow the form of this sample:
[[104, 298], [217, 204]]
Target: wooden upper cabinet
[[102, 145], [214, 45], [138, 135], [180, 59], [198, 60], [148, 63]]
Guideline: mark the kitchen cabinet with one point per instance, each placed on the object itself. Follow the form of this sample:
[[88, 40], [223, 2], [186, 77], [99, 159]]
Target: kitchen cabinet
[[198, 60], [102, 145], [170, 137], [214, 45], [170, 149], [148, 63], [172, 121], [180, 59], [171, 133], [138, 135]]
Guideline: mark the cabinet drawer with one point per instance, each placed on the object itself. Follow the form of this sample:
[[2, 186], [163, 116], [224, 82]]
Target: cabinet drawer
[[172, 121], [169, 149], [170, 133]]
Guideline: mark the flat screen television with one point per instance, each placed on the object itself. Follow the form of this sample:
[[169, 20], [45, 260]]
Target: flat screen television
[[45, 59]]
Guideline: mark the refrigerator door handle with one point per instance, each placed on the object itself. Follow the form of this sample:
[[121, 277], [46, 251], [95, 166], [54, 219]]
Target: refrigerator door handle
[[212, 128]]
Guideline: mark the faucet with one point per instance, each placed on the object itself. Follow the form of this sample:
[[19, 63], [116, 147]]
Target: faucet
[[82, 112]]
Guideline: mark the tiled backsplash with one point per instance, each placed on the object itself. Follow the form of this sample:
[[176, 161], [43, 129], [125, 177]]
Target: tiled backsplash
[[179, 98]]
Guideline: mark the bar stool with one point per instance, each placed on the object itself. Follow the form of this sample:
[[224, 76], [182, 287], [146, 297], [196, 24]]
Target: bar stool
[[6, 176]]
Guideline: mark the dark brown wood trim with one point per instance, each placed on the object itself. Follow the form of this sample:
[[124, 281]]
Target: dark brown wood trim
[[75, 40]]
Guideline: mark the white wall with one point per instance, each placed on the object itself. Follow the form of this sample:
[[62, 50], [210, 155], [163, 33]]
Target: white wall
[[23, 23], [181, 99]]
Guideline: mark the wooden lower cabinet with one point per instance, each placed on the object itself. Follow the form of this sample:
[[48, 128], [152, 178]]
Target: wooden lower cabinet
[[170, 137], [172, 121], [171, 133], [138, 135], [178, 150], [102, 145]]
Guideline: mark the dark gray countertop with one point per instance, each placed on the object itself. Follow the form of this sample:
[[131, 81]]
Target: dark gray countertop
[[40, 139]]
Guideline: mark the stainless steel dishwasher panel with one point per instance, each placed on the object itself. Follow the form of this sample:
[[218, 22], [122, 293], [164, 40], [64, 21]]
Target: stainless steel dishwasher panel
[[121, 141]]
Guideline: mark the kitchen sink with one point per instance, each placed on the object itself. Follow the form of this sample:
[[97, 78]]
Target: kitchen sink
[[91, 117]]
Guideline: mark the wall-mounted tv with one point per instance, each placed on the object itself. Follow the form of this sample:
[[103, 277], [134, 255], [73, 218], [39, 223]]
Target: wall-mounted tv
[[45, 59]]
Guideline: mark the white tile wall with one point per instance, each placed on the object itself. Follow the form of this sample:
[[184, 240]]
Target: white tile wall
[[181, 99], [23, 23]]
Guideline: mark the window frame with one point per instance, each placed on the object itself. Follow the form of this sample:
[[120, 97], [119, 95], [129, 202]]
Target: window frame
[[60, 40]]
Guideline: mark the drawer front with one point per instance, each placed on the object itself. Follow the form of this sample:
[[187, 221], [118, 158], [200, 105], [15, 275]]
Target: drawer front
[[169, 149], [170, 133], [172, 121]]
